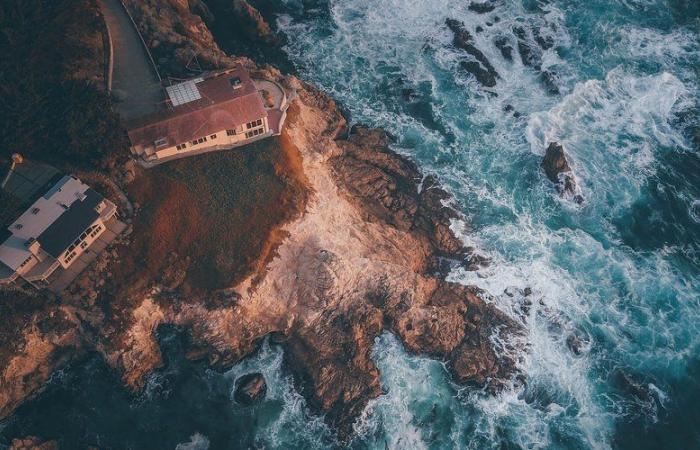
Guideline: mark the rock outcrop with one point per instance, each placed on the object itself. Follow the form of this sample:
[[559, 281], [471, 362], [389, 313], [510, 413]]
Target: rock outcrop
[[250, 388], [480, 67], [530, 46], [253, 23], [369, 253], [178, 37], [36, 337], [557, 169], [33, 443]]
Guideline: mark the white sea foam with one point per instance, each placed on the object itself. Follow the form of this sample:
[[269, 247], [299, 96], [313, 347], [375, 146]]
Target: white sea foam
[[631, 309], [294, 423], [197, 442]]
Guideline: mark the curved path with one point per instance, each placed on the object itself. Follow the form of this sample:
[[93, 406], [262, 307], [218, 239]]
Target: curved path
[[136, 85]]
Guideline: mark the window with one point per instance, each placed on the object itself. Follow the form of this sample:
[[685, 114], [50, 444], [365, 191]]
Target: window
[[68, 258], [161, 142], [213, 136], [249, 125], [35, 210], [258, 122], [83, 245], [194, 142], [230, 132], [181, 146], [18, 226]]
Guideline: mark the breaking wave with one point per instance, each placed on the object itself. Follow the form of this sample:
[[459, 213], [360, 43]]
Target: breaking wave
[[611, 317]]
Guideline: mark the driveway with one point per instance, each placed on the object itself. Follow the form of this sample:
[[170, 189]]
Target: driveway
[[136, 86]]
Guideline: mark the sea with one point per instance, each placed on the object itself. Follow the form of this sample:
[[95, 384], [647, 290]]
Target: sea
[[613, 320]]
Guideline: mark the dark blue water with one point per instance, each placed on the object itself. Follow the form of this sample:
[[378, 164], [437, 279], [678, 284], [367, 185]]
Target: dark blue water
[[616, 279]]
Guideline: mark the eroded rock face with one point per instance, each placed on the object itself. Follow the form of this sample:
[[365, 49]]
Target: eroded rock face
[[34, 342], [557, 169], [250, 388]]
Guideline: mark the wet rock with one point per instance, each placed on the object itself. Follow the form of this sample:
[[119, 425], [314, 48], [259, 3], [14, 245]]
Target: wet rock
[[578, 342], [481, 68], [250, 388], [632, 385], [557, 169], [549, 80], [476, 262], [481, 8], [544, 41], [32, 443], [528, 56], [505, 48]]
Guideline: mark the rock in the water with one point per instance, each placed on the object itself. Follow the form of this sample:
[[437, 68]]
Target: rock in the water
[[557, 169], [504, 46], [481, 8], [481, 69], [250, 388]]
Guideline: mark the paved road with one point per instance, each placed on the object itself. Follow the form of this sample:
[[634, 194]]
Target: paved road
[[135, 84]]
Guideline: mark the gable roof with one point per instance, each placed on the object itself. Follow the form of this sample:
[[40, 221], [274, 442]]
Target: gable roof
[[220, 106]]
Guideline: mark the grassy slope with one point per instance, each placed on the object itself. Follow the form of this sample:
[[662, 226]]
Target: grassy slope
[[213, 217]]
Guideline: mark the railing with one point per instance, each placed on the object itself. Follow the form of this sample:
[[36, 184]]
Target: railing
[[143, 42]]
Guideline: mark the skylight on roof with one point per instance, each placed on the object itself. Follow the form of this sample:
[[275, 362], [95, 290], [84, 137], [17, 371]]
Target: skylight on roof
[[185, 92]]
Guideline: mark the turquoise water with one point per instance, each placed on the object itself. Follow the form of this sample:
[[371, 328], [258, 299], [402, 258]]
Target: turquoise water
[[620, 271], [614, 353]]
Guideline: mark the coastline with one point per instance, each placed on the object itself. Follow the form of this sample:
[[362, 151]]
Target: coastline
[[368, 251]]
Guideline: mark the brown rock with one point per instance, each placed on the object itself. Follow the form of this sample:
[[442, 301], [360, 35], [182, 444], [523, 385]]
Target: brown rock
[[33, 443], [250, 388], [557, 169]]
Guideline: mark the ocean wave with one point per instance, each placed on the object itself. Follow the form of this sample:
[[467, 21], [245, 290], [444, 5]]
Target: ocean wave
[[597, 306]]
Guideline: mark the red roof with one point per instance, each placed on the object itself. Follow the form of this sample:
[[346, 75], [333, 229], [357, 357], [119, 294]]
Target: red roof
[[220, 107]]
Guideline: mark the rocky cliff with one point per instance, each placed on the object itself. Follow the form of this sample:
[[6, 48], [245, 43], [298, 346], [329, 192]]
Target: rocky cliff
[[369, 252]]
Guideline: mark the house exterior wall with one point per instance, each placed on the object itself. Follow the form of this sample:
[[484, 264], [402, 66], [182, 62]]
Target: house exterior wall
[[82, 243], [220, 138]]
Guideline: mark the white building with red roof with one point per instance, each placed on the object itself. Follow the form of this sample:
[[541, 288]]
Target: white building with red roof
[[216, 111]]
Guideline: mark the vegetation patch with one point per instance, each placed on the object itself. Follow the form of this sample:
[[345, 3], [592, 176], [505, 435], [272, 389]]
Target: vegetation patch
[[209, 221], [54, 107]]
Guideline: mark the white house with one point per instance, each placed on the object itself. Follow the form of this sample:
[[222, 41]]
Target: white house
[[53, 232], [218, 110]]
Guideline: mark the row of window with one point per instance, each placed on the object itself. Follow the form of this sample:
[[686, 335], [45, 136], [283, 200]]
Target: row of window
[[254, 132], [91, 231], [253, 124], [69, 257]]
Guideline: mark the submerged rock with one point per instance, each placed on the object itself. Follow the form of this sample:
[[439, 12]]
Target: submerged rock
[[481, 69], [505, 48], [481, 8], [250, 388], [557, 169]]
